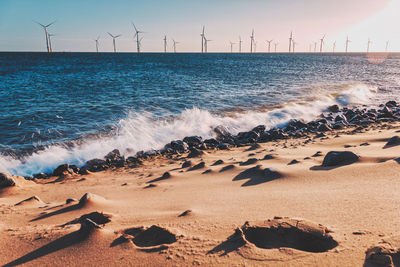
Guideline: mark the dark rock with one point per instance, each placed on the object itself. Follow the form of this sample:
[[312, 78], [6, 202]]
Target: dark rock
[[249, 162], [166, 175], [259, 129], [324, 128], [391, 104], [185, 213], [221, 131], [41, 175], [6, 180], [218, 162], [179, 146], [201, 165], [211, 142], [254, 147], [223, 146], [269, 156], [333, 108], [317, 154], [226, 168], [293, 162], [113, 156], [336, 158], [394, 141], [70, 200], [206, 171], [96, 165], [193, 141], [63, 169], [194, 153], [186, 164]]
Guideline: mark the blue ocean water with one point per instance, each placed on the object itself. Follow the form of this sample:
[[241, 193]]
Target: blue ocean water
[[70, 107]]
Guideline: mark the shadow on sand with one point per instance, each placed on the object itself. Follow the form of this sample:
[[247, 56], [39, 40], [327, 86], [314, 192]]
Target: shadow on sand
[[257, 175]]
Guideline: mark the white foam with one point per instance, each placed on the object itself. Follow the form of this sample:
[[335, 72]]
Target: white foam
[[143, 131]]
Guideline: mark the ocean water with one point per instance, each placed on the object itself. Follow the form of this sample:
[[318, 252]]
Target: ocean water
[[71, 107]]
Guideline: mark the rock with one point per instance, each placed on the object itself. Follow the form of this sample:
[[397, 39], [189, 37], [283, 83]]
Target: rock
[[223, 146], [218, 162], [269, 156], [211, 142], [394, 141], [186, 164], [193, 141], [166, 175], [201, 165], [70, 200], [89, 197], [221, 131], [6, 180], [391, 104], [259, 129], [333, 108], [336, 158], [254, 147], [293, 162], [324, 128], [382, 255], [96, 165], [63, 169], [113, 156], [41, 175], [194, 153], [179, 146], [249, 162]]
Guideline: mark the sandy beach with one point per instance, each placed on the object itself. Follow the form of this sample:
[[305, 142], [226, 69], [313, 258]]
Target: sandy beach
[[250, 205]]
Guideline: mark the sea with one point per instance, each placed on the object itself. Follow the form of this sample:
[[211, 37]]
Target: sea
[[58, 108]]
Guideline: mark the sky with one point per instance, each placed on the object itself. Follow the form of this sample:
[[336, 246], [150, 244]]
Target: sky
[[78, 22]]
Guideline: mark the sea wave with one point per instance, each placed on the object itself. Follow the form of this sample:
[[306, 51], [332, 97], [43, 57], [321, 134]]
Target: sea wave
[[144, 131]]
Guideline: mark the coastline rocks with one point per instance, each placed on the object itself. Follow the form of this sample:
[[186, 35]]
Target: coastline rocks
[[333, 108], [193, 141], [6, 180], [337, 158], [394, 141], [95, 165], [186, 164], [194, 153], [65, 169]]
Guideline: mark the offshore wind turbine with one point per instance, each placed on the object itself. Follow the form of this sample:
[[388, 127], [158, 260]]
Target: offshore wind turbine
[[334, 47], [114, 37], [290, 41], [251, 41], [387, 46], [369, 44], [315, 47], [231, 46], [46, 33], [294, 45], [347, 44], [276, 45], [138, 39], [240, 44], [206, 44], [269, 45], [309, 48], [202, 40], [97, 43], [322, 43], [165, 44], [175, 43]]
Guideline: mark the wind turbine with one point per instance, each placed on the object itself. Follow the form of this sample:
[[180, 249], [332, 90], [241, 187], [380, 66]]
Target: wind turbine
[[276, 45], [114, 37], [138, 39], [165, 44], [251, 41], [347, 44], [231, 46], [315, 47], [368, 46], [334, 47], [203, 40], [240, 44], [50, 35], [255, 46], [175, 43], [294, 45], [322, 43], [269, 45], [46, 33], [387, 46], [97, 43], [290, 41]]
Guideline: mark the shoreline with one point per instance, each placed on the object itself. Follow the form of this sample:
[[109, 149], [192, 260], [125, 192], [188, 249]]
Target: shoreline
[[192, 208]]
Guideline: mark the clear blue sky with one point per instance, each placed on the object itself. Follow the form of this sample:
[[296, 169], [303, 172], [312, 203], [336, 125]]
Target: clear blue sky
[[79, 21]]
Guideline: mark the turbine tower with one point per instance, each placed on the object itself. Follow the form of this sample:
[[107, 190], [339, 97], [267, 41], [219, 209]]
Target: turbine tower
[[369, 44], [175, 43], [114, 37], [165, 44], [387, 46], [309, 48], [347, 44], [50, 35], [290, 41], [269, 45], [203, 40], [276, 45], [240, 44], [231, 46], [47, 34], [321, 44], [206, 44], [251, 41], [294, 45], [97, 43], [138, 39], [334, 47], [315, 47]]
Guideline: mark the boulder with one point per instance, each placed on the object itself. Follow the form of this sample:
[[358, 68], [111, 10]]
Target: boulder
[[394, 141], [96, 165], [6, 180], [193, 141], [337, 158]]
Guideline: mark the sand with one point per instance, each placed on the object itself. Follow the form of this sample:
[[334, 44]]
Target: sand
[[240, 212]]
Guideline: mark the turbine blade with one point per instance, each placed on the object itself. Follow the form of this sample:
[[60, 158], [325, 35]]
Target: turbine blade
[[40, 24], [48, 25], [111, 35]]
